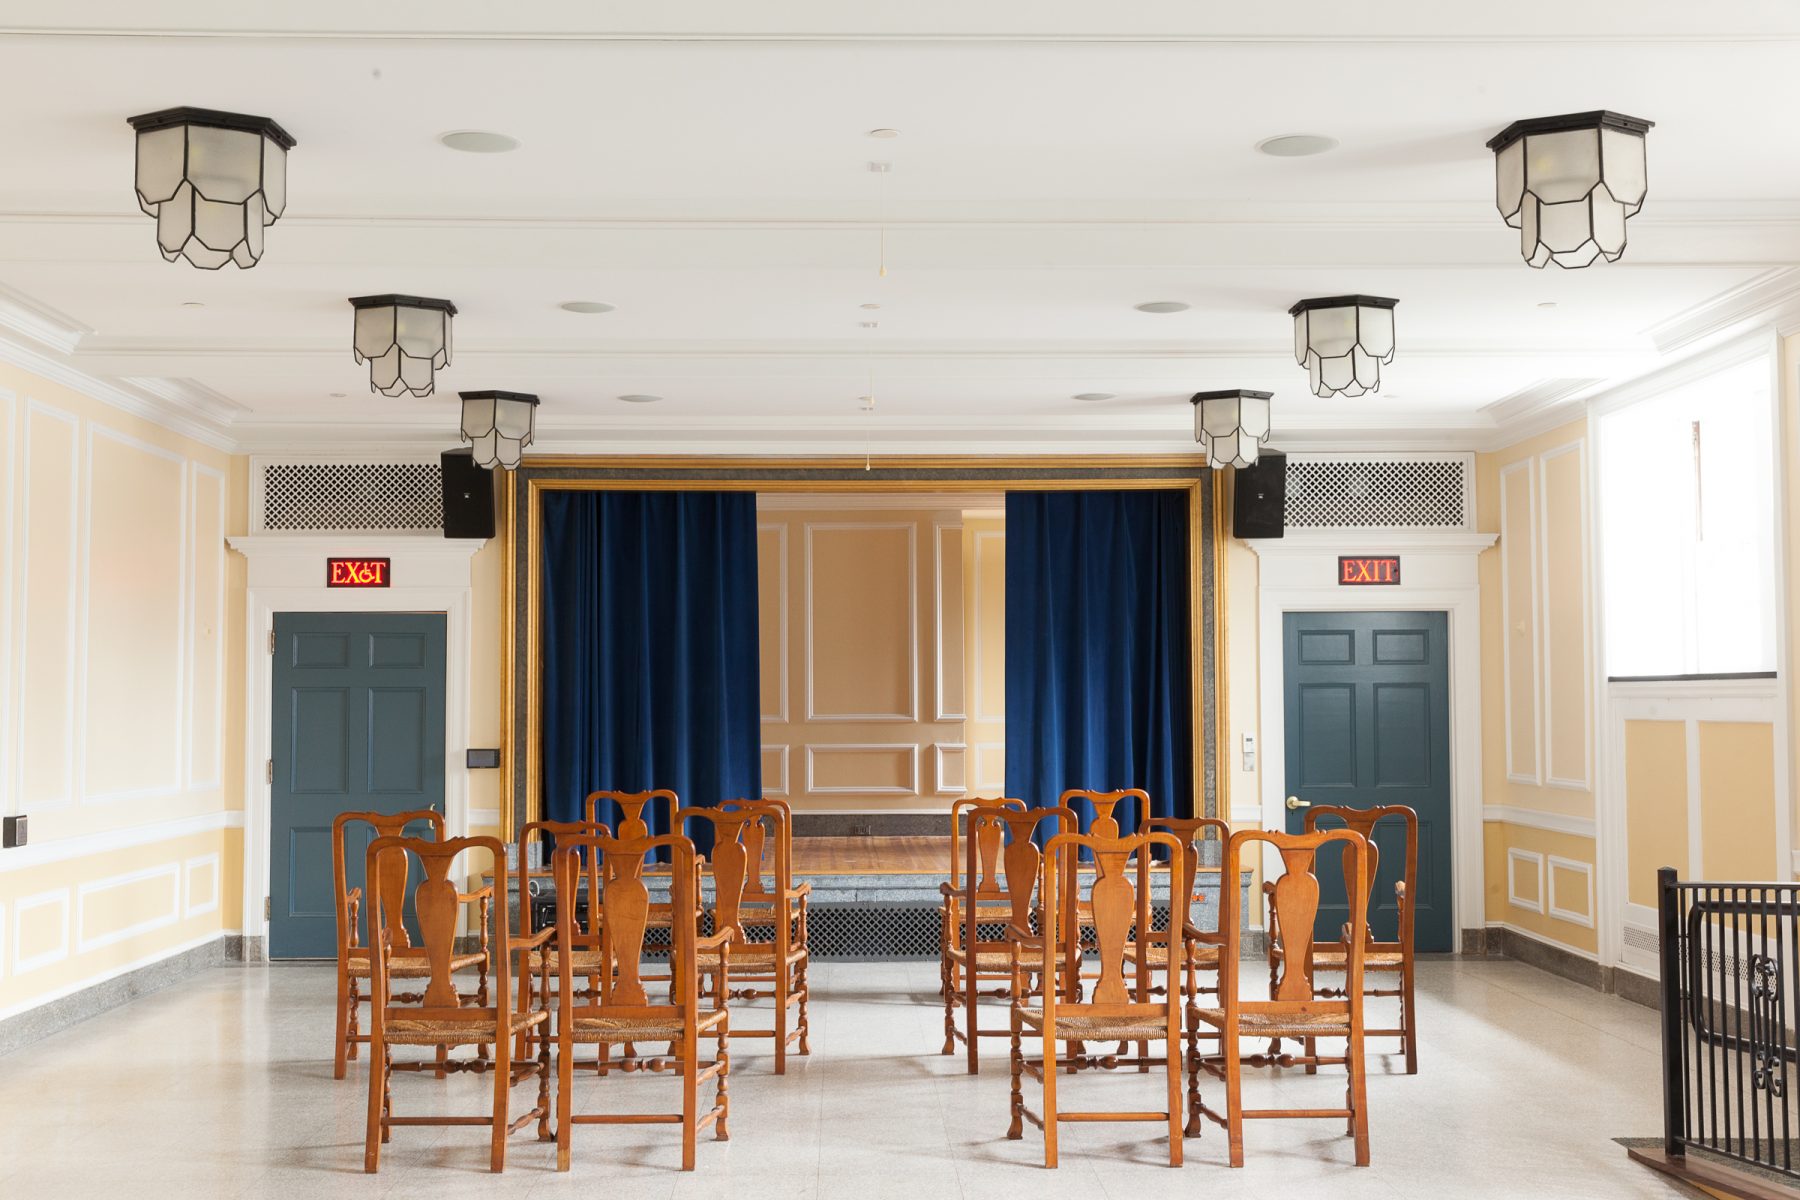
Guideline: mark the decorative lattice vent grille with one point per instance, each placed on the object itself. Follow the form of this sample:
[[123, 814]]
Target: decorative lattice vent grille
[[1373, 493], [351, 497]]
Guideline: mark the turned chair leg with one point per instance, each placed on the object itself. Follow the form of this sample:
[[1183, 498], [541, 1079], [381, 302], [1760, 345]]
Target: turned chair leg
[[346, 1023], [722, 1093], [783, 980], [1016, 1130]]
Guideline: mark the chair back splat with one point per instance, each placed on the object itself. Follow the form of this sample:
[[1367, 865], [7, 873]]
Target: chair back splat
[[636, 811], [1105, 824], [776, 968]]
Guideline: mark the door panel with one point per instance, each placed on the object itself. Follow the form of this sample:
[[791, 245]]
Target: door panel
[[1368, 724], [358, 726]]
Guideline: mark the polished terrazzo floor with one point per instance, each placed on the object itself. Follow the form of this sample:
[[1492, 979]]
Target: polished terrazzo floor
[[221, 1086]]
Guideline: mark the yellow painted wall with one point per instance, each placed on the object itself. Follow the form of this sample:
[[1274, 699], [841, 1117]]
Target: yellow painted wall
[[1737, 801], [865, 693], [1537, 664], [121, 732], [487, 600], [1554, 872], [1656, 799]]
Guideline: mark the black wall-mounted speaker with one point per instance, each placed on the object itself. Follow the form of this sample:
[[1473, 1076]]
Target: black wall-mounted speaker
[[468, 496], [1259, 497]]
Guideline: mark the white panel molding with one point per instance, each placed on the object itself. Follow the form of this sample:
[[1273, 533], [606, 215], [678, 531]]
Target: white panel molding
[[215, 764], [782, 788], [286, 574], [170, 871], [2, 941], [937, 624], [129, 837], [1583, 917], [98, 977], [66, 750], [1528, 467], [812, 749], [183, 618], [25, 964], [1533, 862], [198, 863], [983, 778], [1547, 717], [1246, 814], [982, 538], [1530, 818], [485, 818], [939, 751], [781, 530], [1298, 574], [911, 715]]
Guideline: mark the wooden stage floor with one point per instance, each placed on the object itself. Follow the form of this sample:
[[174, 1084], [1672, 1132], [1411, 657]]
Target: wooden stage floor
[[872, 856]]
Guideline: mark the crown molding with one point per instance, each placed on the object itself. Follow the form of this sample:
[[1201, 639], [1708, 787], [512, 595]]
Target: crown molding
[[169, 414], [39, 322], [1771, 298]]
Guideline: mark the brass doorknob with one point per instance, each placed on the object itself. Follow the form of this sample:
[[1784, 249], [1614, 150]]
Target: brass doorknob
[[1294, 802]]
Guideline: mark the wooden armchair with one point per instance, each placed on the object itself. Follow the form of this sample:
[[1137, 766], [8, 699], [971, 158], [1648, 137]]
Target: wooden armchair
[[622, 1013], [1106, 823], [776, 969], [1294, 1009], [535, 978], [990, 893], [1120, 903], [440, 1018], [1388, 958], [1009, 834], [638, 814], [406, 961]]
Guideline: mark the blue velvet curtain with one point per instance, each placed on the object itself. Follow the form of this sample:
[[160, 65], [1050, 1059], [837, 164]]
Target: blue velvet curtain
[[1097, 649], [650, 648]]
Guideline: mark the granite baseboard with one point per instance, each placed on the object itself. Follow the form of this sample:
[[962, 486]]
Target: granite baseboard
[[868, 824], [1501, 942], [53, 1017]]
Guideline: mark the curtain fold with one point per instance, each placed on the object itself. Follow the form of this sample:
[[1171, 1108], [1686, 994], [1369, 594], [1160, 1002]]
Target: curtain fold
[[1098, 690], [650, 647]]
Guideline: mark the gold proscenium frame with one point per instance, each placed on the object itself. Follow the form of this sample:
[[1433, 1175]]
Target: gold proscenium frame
[[848, 477]]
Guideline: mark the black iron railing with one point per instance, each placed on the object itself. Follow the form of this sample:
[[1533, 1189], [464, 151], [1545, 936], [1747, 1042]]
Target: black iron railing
[[1729, 952]]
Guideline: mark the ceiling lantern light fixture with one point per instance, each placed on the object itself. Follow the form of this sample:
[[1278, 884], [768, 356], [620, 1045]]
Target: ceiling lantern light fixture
[[1569, 183], [404, 339], [499, 425], [1231, 425], [213, 180], [1343, 342]]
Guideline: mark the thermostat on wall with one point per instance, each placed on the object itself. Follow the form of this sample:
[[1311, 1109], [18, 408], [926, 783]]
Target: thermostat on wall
[[483, 758], [14, 833]]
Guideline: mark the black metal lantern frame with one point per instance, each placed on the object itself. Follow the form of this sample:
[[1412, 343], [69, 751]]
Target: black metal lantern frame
[[1361, 346], [404, 339], [498, 426], [211, 201], [1570, 197]]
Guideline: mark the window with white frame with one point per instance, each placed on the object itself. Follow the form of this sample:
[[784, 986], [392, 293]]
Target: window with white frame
[[1687, 509]]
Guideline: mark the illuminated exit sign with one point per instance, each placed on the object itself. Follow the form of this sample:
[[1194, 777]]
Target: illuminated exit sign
[[1368, 571], [357, 573]]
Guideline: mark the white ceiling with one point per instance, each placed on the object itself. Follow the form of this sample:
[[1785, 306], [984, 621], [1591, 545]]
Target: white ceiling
[[704, 168]]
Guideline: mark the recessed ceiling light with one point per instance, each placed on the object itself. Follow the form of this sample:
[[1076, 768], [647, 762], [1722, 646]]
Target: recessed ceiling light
[[585, 306], [479, 141], [1297, 145], [884, 133], [870, 324], [193, 304], [337, 395], [871, 307], [1546, 304], [638, 398], [1162, 306], [1093, 395]]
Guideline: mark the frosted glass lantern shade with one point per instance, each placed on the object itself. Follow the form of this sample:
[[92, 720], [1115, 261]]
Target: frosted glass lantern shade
[[1568, 184], [1343, 342], [1231, 425], [499, 425], [404, 339], [212, 180]]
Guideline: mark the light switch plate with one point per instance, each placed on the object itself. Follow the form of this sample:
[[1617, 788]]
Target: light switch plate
[[14, 834]]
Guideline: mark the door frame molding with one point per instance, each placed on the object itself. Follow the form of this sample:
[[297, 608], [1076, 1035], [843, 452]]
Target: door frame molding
[[1298, 573], [431, 574]]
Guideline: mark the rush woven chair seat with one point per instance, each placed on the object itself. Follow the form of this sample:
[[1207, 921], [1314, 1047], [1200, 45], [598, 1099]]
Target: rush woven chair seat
[[1119, 897], [405, 961], [440, 1017], [1294, 1008], [977, 951], [589, 1030], [1388, 957]]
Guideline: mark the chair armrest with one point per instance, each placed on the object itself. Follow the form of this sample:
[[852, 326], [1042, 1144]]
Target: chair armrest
[[721, 938], [481, 893], [535, 940], [798, 893], [949, 891]]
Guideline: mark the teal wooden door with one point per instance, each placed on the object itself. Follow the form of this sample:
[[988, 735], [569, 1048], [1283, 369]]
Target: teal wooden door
[[358, 726], [1367, 696]]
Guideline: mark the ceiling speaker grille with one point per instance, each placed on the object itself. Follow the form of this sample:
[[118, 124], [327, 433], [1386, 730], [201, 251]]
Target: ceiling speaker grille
[[352, 497], [1376, 494]]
